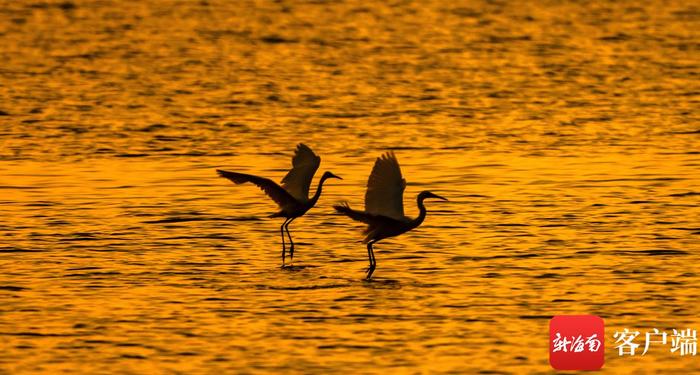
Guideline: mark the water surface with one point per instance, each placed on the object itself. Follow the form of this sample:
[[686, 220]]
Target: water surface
[[565, 135]]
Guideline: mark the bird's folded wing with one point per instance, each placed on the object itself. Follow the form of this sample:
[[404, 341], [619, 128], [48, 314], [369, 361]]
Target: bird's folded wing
[[304, 165], [274, 191], [385, 188]]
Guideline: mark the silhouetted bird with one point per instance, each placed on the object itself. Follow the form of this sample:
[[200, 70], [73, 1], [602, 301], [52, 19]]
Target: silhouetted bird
[[293, 196], [383, 212]]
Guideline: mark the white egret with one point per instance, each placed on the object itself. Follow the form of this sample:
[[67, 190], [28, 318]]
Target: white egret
[[383, 212], [292, 196]]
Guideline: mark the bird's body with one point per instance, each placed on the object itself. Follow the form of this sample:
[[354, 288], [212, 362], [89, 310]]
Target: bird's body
[[383, 212], [292, 196]]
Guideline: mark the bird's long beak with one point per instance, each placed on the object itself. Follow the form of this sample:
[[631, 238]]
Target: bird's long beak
[[439, 197]]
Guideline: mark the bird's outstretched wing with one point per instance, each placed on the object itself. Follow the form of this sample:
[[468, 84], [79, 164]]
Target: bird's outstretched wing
[[304, 166], [274, 191], [385, 188]]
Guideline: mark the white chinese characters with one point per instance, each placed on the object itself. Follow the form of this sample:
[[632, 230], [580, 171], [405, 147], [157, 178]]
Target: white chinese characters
[[626, 338], [575, 344], [685, 342]]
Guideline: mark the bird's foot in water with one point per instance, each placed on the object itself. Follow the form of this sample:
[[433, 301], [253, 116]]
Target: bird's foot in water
[[369, 271]]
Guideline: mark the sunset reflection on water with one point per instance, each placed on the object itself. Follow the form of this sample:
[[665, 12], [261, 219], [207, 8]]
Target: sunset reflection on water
[[564, 134]]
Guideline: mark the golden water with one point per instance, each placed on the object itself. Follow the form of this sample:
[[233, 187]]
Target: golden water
[[565, 135]]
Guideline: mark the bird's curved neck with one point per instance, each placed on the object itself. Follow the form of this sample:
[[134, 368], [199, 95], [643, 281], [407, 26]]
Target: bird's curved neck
[[317, 195], [421, 216]]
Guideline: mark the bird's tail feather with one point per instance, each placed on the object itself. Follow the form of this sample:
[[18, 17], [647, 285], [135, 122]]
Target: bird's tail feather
[[344, 208]]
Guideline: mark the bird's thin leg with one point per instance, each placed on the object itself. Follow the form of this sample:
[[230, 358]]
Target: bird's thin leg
[[284, 250], [291, 243], [372, 260]]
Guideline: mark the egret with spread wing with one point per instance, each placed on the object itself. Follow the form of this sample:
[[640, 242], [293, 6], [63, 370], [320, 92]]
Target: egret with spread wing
[[292, 196], [383, 212]]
